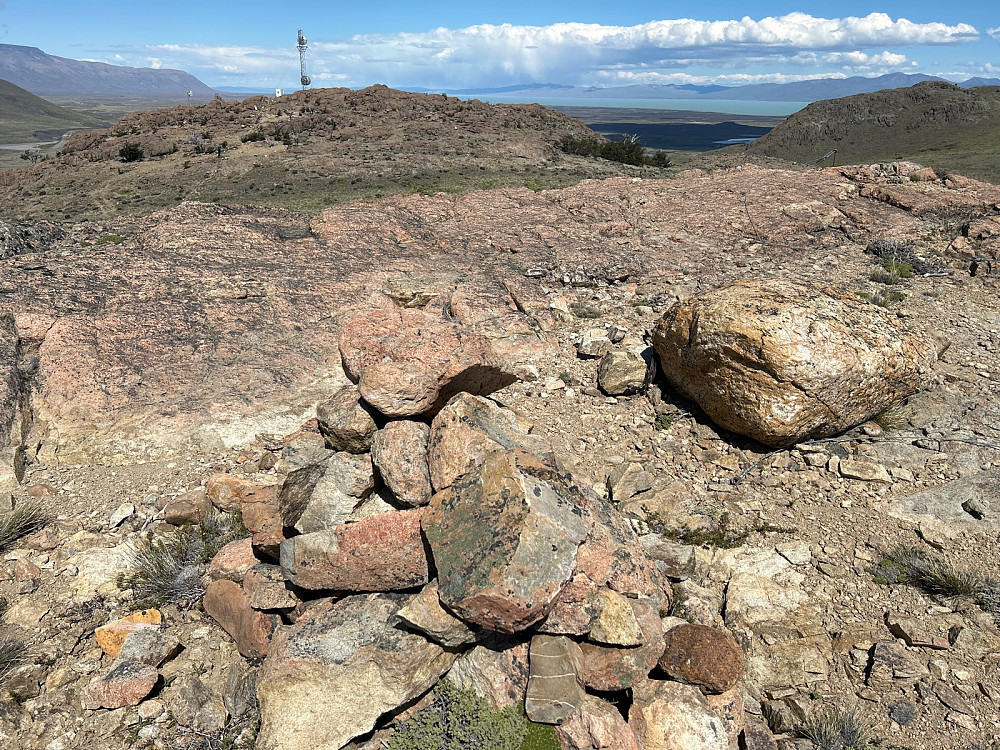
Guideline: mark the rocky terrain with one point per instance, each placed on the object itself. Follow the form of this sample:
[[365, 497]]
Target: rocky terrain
[[304, 151], [155, 367]]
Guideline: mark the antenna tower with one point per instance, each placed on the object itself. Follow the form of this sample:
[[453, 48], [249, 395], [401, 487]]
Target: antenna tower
[[304, 79]]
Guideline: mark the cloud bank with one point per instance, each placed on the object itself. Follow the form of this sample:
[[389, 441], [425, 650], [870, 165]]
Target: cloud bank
[[492, 55]]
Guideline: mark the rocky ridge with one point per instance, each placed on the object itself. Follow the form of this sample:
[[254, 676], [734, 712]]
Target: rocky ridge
[[593, 272]]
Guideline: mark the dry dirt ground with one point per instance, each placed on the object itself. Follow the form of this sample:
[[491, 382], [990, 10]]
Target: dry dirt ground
[[830, 529]]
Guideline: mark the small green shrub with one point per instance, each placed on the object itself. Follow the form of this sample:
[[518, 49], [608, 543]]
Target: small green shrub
[[460, 720], [252, 137], [834, 727], [929, 573], [131, 152], [663, 421], [110, 239]]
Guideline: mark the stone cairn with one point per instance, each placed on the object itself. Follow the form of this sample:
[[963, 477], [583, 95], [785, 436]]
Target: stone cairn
[[431, 536]]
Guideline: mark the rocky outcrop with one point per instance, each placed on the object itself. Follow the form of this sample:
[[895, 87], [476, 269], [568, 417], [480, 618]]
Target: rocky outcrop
[[782, 361]]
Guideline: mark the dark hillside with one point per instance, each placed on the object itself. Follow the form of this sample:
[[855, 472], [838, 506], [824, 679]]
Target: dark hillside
[[24, 116], [935, 123]]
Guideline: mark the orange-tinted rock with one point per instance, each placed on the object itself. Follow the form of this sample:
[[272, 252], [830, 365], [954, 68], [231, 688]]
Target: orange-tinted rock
[[226, 602], [25, 570], [730, 708], [188, 508], [384, 552], [448, 359], [125, 685], [227, 491], [110, 637], [495, 669], [233, 560], [262, 519], [467, 430], [596, 725], [708, 658], [399, 450]]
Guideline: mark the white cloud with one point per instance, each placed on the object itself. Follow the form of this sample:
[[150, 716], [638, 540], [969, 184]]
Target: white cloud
[[994, 32], [576, 52]]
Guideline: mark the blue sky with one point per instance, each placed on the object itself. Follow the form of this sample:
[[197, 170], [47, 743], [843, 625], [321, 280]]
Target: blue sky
[[442, 45]]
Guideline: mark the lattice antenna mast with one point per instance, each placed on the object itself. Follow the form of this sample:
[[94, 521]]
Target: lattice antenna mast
[[303, 46]]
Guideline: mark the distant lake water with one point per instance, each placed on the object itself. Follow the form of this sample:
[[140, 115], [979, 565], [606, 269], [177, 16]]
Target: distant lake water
[[732, 106]]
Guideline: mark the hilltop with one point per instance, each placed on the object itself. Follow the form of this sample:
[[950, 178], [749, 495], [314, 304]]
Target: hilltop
[[304, 151], [24, 116], [934, 123]]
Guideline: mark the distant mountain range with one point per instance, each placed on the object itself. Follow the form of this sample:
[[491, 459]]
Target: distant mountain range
[[798, 91], [46, 75]]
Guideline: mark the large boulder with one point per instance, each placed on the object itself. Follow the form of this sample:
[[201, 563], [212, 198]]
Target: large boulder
[[612, 668], [504, 540], [409, 362], [329, 677], [782, 361], [708, 658], [596, 725], [467, 430]]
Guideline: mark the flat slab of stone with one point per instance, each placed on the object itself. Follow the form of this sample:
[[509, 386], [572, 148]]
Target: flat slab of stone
[[384, 552], [554, 688]]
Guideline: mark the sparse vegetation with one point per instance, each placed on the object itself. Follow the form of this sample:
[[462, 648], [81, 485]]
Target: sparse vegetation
[[937, 577], [895, 417], [835, 727], [13, 654], [629, 150], [25, 519], [170, 569], [460, 720]]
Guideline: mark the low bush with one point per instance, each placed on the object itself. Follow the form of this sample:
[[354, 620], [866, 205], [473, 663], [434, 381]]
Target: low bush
[[835, 727], [131, 152], [25, 519]]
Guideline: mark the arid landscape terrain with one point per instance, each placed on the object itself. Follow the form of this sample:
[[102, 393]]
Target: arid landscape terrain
[[169, 326]]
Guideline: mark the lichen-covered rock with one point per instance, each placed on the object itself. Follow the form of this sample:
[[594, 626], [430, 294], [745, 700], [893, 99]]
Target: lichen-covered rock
[[782, 361], [705, 657], [345, 422], [467, 430], [331, 675], [504, 540], [384, 552], [420, 361], [399, 450]]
